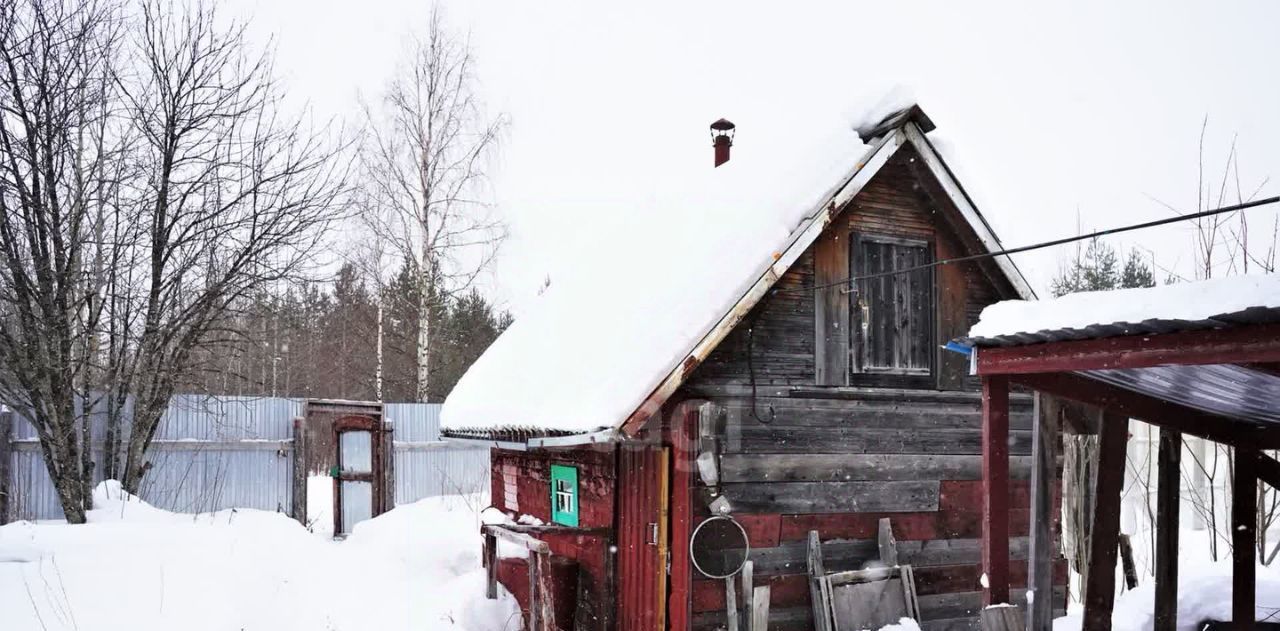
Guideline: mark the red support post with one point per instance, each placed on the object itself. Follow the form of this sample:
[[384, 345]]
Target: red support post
[[1244, 530], [995, 488], [1100, 582]]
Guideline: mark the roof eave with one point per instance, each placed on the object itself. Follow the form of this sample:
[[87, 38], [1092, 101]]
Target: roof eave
[[600, 437]]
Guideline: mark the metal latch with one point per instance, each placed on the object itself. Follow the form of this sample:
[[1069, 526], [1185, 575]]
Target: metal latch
[[653, 533]]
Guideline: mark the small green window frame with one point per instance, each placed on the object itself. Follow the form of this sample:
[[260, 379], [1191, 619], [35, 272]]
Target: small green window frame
[[564, 495]]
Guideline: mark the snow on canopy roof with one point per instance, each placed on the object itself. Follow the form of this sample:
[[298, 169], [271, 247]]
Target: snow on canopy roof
[[596, 345], [1203, 304]]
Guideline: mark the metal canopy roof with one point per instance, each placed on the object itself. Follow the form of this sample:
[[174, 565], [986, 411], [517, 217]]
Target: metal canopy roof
[[1224, 389], [1239, 392]]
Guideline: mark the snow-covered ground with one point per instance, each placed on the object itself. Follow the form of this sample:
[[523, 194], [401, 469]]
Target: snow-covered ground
[[1204, 589], [139, 568]]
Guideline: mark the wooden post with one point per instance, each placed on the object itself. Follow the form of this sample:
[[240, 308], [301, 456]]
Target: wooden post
[[490, 566], [759, 611], [1244, 526], [299, 504], [1044, 451], [1100, 583], [6, 455], [1167, 505], [731, 604], [1127, 563], [547, 616], [534, 605], [817, 570], [888, 545], [748, 585], [388, 467], [995, 488], [610, 599], [1001, 619]]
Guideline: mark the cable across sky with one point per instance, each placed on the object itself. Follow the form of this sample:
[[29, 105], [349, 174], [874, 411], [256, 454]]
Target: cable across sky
[[1046, 244]]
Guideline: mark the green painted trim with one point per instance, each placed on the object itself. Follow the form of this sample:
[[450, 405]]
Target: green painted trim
[[565, 479]]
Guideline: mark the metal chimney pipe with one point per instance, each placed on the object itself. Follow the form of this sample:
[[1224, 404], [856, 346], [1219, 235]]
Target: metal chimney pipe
[[722, 138]]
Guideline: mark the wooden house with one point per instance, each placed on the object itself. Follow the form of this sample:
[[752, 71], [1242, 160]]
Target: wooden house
[[792, 400]]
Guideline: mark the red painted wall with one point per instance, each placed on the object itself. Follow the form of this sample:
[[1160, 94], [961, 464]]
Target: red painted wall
[[521, 485]]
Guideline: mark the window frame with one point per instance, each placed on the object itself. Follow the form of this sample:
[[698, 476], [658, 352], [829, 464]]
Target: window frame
[[859, 372], [567, 474]]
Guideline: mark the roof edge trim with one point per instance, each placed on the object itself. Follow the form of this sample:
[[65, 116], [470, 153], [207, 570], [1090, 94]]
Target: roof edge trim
[[955, 191]]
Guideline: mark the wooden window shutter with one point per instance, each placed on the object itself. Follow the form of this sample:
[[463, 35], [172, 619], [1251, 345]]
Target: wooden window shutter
[[831, 310], [892, 313]]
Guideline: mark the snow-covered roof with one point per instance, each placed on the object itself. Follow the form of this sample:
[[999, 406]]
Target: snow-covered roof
[[611, 343], [1180, 306]]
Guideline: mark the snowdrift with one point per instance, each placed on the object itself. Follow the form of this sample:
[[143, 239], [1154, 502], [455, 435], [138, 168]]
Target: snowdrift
[[137, 567]]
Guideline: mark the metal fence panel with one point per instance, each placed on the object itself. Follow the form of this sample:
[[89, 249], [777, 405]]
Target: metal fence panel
[[32, 495], [453, 470], [414, 422], [212, 453], [208, 476], [199, 417]]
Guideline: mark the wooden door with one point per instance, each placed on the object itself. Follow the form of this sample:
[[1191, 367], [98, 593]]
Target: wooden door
[[359, 473], [642, 537]]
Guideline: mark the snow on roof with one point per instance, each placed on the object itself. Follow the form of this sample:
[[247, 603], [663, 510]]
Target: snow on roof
[[596, 344], [599, 342], [1124, 310]]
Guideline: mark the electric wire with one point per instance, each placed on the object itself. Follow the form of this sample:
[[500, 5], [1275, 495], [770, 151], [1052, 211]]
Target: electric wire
[[1041, 245]]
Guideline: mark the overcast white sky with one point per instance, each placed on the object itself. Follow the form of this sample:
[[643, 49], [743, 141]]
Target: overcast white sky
[[1092, 109]]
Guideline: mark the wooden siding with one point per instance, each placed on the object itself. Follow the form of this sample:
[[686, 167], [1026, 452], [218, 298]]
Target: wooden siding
[[531, 473], [520, 484], [784, 331], [839, 465]]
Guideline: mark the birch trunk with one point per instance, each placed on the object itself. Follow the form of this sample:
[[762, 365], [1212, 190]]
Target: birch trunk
[[424, 333]]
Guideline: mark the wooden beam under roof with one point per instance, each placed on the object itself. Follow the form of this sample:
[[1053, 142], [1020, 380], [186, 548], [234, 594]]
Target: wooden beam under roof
[[1154, 410], [1248, 344]]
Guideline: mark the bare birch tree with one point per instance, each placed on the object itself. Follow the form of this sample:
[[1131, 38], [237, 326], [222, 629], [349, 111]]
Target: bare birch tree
[[235, 194], [59, 152], [424, 163]]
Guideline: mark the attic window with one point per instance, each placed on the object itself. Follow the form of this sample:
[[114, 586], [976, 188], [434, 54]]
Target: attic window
[[564, 495], [892, 314]]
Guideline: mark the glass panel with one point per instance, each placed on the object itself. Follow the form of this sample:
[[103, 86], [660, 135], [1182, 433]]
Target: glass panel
[[357, 503], [357, 451]]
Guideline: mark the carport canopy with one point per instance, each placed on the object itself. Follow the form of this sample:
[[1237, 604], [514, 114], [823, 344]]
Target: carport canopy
[[1201, 359]]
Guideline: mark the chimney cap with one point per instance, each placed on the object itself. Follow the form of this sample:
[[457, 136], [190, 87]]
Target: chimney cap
[[722, 125]]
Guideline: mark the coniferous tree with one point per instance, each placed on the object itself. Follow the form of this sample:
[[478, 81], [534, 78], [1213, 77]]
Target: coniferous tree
[[1098, 268]]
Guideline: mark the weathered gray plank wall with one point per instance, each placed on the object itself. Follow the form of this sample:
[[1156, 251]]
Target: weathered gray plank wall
[[212, 453], [803, 441]]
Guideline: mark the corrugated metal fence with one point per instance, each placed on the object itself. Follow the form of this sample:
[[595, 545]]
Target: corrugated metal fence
[[212, 453]]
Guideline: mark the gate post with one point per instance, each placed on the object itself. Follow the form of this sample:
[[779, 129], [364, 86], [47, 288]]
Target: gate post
[[6, 456], [299, 504]]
